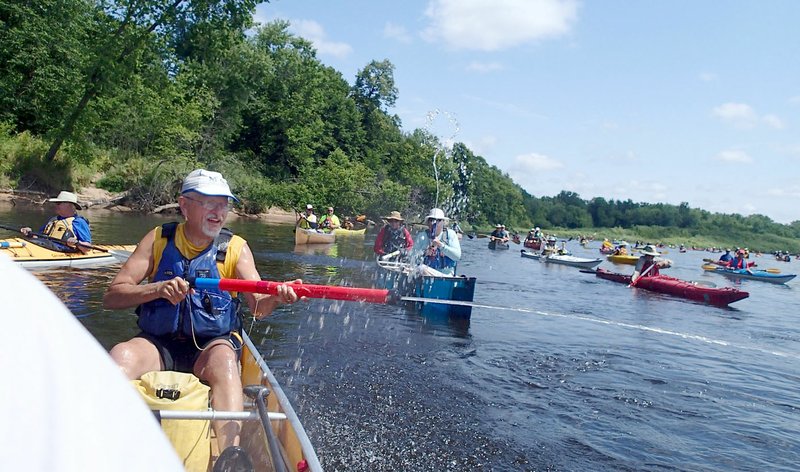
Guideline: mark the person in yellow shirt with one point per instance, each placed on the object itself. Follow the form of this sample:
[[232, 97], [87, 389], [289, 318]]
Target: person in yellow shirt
[[183, 329], [329, 221], [307, 220]]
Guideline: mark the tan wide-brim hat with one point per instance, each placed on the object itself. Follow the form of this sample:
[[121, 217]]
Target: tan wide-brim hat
[[394, 215], [66, 197]]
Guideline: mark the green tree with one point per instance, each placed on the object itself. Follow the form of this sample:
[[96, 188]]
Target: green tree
[[127, 26], [43, 53]]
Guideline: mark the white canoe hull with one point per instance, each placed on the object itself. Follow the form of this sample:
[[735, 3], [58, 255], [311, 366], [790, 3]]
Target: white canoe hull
[[571, 261], [311, 236]]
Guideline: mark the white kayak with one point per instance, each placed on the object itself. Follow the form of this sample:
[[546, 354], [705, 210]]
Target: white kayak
[[572, 261], [313, 236]]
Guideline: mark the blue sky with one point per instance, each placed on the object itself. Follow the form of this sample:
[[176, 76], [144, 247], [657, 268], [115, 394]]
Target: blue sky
[[679, 101]]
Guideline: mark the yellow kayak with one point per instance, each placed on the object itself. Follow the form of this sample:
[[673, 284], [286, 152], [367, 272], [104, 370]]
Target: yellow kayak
[[33, 253], [349, 232], [623, 259]]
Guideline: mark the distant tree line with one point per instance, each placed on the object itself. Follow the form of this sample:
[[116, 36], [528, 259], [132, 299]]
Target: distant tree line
[[139, 93]]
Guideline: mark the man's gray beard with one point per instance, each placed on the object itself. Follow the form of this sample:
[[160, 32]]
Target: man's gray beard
[[211, 233]]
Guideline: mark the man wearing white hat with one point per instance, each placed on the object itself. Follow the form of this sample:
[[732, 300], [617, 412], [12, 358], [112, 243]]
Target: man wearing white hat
[[66, 225], [437, 248], [309, 219], [183, 329], [649, 263]]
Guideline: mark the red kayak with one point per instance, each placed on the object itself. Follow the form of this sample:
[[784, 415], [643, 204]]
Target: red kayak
[[679, 288]]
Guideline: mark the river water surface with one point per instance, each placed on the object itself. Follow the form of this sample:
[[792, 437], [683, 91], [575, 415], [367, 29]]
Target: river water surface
[[576, 373]]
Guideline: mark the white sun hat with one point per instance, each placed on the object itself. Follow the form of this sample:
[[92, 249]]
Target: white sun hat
[[207, 183], [66, 197], [436, 214], [649, 250]]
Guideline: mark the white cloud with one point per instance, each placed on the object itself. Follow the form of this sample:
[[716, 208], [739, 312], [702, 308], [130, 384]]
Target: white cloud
[[773, 121], [734, 155], [483, 145], [534, 162], [743, 116], [791, 191], [484, 67], [740, 115], [708, 76], [500, 24], [396, 32], [314, 32]]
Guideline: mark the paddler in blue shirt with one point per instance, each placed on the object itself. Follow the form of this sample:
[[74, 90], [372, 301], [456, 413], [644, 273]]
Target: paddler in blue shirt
[[67, 225], [437, 249]]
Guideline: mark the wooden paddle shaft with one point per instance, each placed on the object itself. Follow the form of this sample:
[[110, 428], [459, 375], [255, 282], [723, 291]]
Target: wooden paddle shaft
[[352, 294]]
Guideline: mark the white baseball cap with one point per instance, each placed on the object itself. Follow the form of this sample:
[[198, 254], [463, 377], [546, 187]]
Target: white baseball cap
[[309, 207], [207, 183]]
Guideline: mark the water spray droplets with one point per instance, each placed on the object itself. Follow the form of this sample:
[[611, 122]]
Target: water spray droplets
[[445, 132]]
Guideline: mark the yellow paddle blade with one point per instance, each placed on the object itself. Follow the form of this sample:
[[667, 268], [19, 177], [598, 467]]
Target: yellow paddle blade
[[709, 267], [773, 271]]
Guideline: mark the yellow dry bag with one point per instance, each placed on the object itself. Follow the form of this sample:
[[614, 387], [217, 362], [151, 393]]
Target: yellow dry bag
[[167, 390]]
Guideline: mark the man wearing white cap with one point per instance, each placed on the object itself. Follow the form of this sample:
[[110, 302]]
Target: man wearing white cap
[[184, 329], [309, 219], [67, 225], [437, 248]]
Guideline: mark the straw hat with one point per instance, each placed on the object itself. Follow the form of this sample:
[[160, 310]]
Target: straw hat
[[66, 197], [649, 250], [394, 215]]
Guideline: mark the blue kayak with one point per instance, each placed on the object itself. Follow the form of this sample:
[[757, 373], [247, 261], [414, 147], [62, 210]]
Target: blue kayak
[[762, 275]]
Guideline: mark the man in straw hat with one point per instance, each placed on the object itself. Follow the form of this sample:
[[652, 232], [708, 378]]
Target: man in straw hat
[[649, 263], [185, 329], [66, 225], [437, 248], [393, 237]]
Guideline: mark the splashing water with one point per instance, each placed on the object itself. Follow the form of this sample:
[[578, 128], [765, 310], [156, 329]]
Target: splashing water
[[443, 147]]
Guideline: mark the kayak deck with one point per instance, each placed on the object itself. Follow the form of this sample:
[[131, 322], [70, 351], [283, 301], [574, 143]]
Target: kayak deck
[[27, 253], [572, 261], [761, 275], [679, 288]]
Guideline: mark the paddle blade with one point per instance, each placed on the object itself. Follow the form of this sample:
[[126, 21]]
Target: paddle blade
[[773, 271], [709, 267]]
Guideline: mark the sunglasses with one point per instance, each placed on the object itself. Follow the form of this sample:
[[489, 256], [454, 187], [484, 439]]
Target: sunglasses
[[211, 206]]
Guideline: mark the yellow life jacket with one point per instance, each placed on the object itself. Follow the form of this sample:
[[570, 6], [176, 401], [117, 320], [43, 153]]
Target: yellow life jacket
[[59, 228]]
